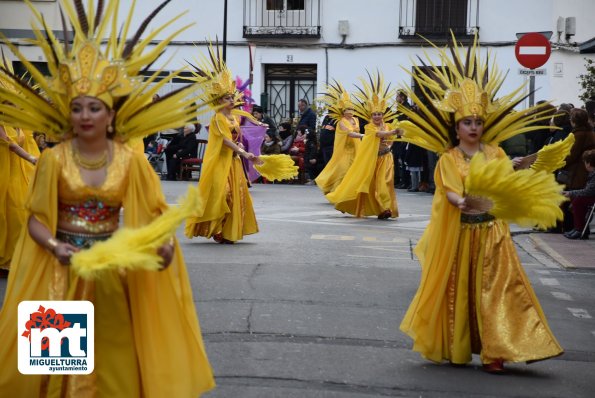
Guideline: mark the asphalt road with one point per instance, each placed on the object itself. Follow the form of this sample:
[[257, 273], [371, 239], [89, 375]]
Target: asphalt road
[[310, 307]]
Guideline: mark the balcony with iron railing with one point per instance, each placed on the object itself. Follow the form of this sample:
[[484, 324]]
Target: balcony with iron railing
[[281, 18], [435, 19]]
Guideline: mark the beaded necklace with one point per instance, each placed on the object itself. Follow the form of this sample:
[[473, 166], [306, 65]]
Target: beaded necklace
[[89, 164]]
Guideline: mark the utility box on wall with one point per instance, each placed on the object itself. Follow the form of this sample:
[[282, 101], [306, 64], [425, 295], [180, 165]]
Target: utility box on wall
[[343, 28]]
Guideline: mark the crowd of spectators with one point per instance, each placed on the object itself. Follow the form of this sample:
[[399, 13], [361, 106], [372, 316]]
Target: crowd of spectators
[[311, 147]]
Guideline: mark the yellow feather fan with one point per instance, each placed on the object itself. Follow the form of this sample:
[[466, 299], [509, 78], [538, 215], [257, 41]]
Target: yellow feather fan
[[527, 197], [277, 167], [135, 248], [552, 157]]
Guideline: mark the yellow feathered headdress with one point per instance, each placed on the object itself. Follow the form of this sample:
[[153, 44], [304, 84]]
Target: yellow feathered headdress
[[87, 66], [469, 99], [463, 85], [216, 78], [374, 96], [336, 100]]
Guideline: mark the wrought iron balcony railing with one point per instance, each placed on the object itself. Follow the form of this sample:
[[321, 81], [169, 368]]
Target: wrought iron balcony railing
[[281, 18]]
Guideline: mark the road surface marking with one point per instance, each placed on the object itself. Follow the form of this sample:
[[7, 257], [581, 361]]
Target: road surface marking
[[549, 281], [384, 248], [332, 237], [386, 258], [542, 271], [356, 222], [375, 239], [562, 296], [579, 313]]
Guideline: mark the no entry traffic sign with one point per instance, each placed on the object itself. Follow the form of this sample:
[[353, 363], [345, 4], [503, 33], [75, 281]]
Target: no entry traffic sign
[[532, 50]]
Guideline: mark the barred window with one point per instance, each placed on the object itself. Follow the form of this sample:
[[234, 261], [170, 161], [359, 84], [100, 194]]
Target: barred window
[[282, 5], [440, 16]]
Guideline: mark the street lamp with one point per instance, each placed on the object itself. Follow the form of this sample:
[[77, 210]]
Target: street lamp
[[225, 31]]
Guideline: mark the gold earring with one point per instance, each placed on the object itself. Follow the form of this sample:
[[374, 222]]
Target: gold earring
[[110, 129]]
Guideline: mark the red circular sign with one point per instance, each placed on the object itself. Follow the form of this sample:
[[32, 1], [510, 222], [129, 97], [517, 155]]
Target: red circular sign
[[532, 50]]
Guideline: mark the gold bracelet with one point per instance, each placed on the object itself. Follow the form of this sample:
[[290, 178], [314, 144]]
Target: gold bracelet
[[52, 243]]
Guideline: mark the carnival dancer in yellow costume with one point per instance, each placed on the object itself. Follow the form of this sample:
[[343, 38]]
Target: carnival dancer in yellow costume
[[18, 156], [347, 137], [474, 297], [228, 213], [368, 186], [147, 337]]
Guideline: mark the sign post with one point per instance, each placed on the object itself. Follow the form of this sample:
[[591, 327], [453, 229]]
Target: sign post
[[532, 51]]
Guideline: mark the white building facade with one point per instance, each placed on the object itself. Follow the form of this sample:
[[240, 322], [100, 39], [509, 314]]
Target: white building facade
[[296, 46]]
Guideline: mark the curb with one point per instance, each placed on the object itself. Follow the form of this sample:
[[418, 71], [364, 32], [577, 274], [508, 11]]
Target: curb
[[544, 247]]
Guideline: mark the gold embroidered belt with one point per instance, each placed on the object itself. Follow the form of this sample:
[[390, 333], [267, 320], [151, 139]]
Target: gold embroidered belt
[[383, 151], [476, 218], [80, 240]]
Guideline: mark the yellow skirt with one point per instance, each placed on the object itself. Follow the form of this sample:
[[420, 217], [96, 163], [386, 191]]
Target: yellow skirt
[[240, 220], [14, 182], [491, 307], [332, 174], [146, 345], [381, 193]]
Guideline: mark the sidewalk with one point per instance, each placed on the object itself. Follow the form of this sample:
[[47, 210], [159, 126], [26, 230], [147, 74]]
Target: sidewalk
[[567, 252]]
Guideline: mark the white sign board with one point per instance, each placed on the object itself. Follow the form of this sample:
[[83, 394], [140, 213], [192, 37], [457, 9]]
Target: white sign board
[[532, 72]]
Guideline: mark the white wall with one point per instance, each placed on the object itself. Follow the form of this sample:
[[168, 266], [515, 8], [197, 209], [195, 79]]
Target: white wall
[[583, 10], [500, 20], [374, 21], [16, 14], [564, 84]]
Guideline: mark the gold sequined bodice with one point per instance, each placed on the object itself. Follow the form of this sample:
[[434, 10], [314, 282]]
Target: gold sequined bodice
[[88, 208]]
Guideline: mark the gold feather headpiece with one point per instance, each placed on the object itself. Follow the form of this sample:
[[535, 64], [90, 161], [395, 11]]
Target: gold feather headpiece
[[463, 85], [101, 61], [216, 78], [88, 73], [466, 100], [374, 96], [336, 100]]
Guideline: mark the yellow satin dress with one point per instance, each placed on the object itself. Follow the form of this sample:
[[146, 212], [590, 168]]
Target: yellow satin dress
[[148, 341], [15, 175], [223, 187], [368, 186], [344, 151], [473, 297]]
